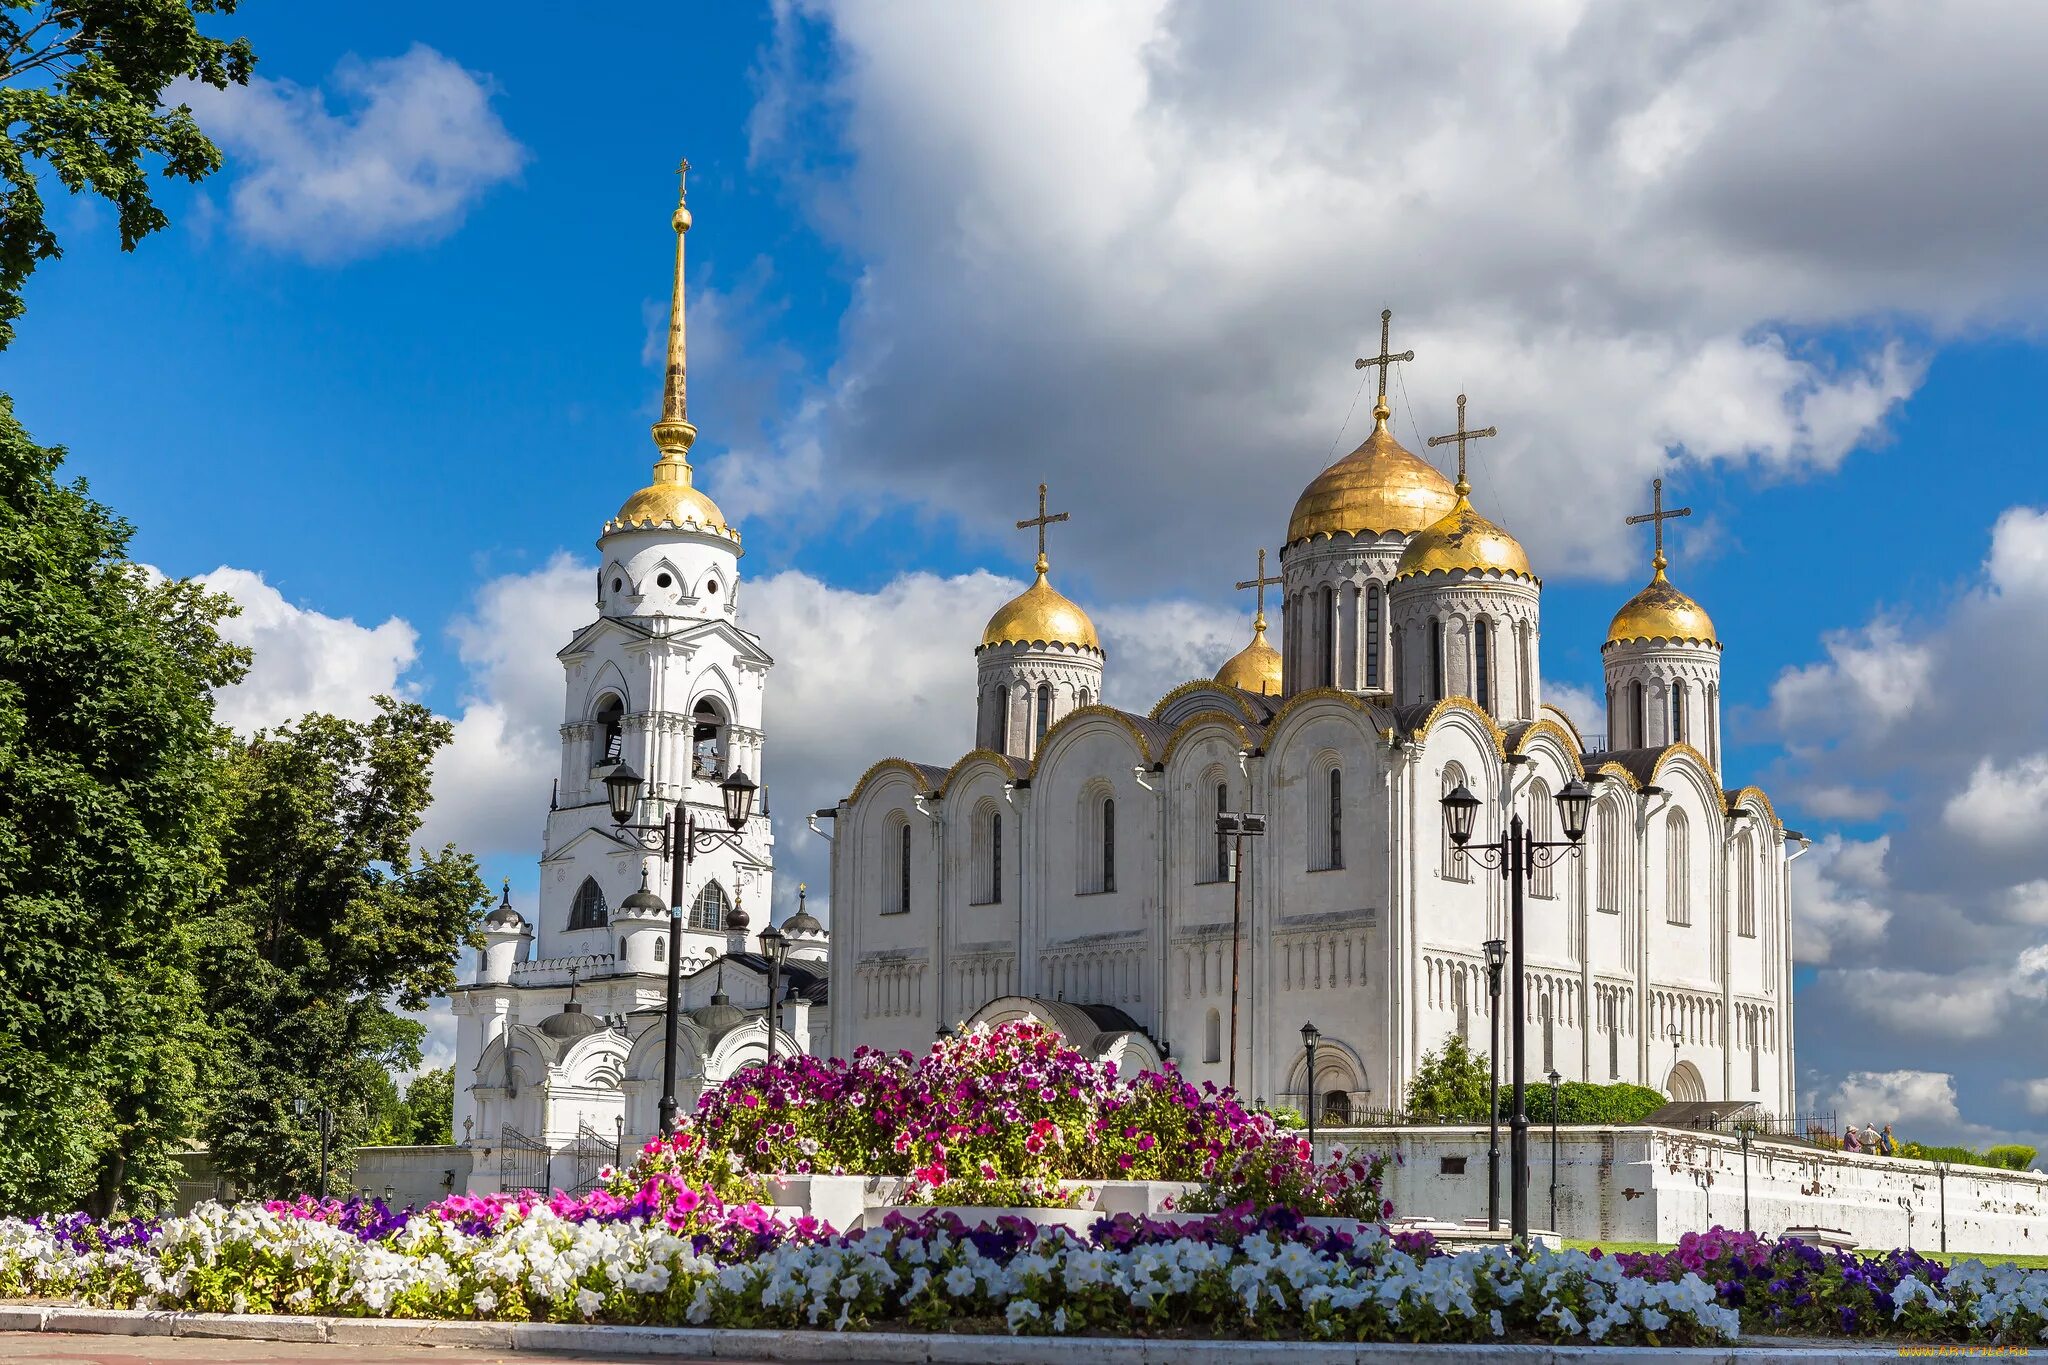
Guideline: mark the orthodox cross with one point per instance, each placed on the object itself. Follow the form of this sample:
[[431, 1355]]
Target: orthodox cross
[[1386, 358], [1658, 516], [1041, 521], [1461, 436], [682, 177], [1259, 583]]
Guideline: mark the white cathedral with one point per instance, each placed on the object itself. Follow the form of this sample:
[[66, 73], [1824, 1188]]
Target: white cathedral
[[559, 1037], [1069, 867]]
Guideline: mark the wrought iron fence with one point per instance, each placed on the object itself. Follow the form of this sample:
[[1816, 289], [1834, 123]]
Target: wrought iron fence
[[1820, 1130], [592, 1151], [522, 1162]]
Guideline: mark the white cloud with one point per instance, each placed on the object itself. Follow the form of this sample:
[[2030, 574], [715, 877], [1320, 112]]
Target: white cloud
[[305, 660], [2019, 551], [414, 144], [2005, 805], [1587, 710], [1872, 681], [1832, 898], [2033, 1093], [1897, 1097]]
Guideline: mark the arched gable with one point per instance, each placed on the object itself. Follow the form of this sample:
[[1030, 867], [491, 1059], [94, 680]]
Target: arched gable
[[1757, 802], [642, 1059], [715, 686], [1546, 738], [971, 764], [597, 1062], [1202, 694], [608, 679], [1087, 720], [924, 780], [1308, 709], [1205, 725], [1462, 709]]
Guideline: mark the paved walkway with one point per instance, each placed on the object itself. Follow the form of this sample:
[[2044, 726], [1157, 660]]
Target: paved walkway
[[81, 1349]]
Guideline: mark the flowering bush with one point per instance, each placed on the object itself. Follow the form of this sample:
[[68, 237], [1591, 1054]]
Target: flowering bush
[[1284, 1173], [979, 1116], [1790, 1286]]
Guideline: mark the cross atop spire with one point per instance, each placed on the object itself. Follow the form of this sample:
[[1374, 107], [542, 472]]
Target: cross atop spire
[[1657, 516], [1259, 621], [1041, 521], [1385, 360], [1461, 436], [673, 433]]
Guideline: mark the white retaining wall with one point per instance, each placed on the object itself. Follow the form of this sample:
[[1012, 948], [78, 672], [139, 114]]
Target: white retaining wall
[[401, 1175], [1637, 1184]]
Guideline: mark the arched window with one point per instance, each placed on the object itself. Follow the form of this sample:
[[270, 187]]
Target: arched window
[[1325, 821], [988, 854], [1549, 1037], [622, 947], [1713, 725], [1525, 669], [1212, 1037], [1482, 662], [1326, 625], [1081, 697], [661, 947], [710, 908], [1336, 818], [999, 733], [1640, 714], [1044, 709], [1108, 843], [588, 910], [1372, 635], [1460, 1004], [1613, 1036], [1455, 867], [1540, 815], [1745, 888], [1336, 1107], [606, 742], [1678, 908], [707, 739], [1436, 660], [1678, 713], [1756, 1059], [1607, 848], [1222, 839], [903, 868]]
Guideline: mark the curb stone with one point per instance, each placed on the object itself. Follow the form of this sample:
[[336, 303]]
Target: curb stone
[[682, 1344]]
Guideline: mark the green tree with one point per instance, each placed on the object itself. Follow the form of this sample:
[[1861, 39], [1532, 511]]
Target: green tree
[[430, 1108], [110, 764], [330, 923], [82, 86], [1450, 1084]]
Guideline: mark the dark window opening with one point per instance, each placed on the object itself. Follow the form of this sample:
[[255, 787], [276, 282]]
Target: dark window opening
[[588, 910]]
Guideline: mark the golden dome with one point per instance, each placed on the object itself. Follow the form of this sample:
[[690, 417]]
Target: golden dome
[[1378, 487], [1040, 615], [1661, 612], [671, 500], [1464, 540], [1256, 667]]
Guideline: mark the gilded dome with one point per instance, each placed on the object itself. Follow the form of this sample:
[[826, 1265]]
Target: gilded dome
[[1040, 615], [671, 500], [1256, 667], [1464, 540], [1380, 486], [1661, 612]]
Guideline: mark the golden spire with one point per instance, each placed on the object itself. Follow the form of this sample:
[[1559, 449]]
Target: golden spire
[[673, 433]]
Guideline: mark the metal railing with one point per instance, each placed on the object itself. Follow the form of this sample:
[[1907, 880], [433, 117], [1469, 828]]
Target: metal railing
[[1820, 1130]]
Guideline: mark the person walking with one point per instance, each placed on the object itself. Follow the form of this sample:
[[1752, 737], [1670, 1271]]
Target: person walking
[[1851, 1142], [1886, 1143], [1870, 1137]]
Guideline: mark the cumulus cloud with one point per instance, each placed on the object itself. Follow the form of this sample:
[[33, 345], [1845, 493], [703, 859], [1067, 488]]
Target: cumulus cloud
[[2005, 805], [1835, 887], [2033, 1093], [1620, 229], [1871, 681], [305, 660], [399, 154], [1587, 709], [1881, 1097]]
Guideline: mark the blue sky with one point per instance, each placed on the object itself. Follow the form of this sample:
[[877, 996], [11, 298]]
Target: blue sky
[[392, 368]]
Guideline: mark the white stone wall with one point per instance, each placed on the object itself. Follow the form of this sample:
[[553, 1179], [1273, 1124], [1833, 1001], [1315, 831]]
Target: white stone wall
[[1662, 666], [1638, 1184], [1007, 706], [1329, 642], [1458, 606]]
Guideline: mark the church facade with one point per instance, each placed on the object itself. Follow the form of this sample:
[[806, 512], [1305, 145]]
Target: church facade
[[560, 1034], [1069, 866]]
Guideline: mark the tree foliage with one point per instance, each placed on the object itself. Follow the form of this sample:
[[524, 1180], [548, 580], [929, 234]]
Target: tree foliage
[[1580, 1102], [110, 765], [1450, 1084], [329, 925], [82, 86]]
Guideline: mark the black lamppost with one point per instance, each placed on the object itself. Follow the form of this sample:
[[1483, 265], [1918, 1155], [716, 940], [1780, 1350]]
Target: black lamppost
[[1496, 958], [676, 840], [1554, 1078], [774, 947], [1237, 826], [1310, 1036], [1515, 854], [1742, 1130], [326, 1120]]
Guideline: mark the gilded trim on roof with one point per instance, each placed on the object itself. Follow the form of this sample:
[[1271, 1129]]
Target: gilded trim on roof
[[1448, 704], [1572, 748], [1000, 760], [915, 770], [1230, 694], [1121, 718], [1736, 798], [1201, 718]]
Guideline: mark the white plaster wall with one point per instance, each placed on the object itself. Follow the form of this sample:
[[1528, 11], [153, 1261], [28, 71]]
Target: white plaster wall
[[1311, 639]]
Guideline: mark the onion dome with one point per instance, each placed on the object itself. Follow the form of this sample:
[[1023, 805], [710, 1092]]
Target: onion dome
[[671, 501], [720, 1017], [1381, 486], [571, 1023], [736, 919], [1464, 540], [803, 921], [1041, 615], [1256, 667], [505, 917], [643, 901], [1661, 612]]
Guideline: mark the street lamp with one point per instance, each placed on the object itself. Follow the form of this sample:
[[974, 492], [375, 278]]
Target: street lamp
[[1496, 958], [1310, 1036], [676, 840], [1743, 1129], [1554, 1078], [1515, 854], [774, 947], [1675, 1033], [1237, 826], [326, 1119]]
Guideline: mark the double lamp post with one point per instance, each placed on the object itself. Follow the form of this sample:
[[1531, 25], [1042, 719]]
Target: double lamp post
[[1516, 854], [676, 840]]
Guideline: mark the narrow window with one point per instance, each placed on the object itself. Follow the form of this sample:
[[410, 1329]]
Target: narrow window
[[1540, 809], [607, 745], [999, 736], [1459, 1004], [1639, 712], [1212, 1037], [711, 908], [995, 857], [1222, 839], [1372, 635], [1081, 698], [1745, 890], [1044, 708], [622, 948], [1607, 840], [1336, 819], [707, 740], [1549, 1040], [1436, 660], [903, 871], [661, 947], [1679, 909], [1713, 725], [1482, 662], [588, 910], [1108, 843], [1526, 679], [1329, 632], [1678, 713], [1613, 1037]]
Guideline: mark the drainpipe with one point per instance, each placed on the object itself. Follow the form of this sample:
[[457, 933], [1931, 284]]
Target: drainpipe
[[1644, 811]]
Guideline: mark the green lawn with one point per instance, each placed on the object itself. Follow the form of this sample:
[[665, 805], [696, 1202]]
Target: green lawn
[[1946, 1258]]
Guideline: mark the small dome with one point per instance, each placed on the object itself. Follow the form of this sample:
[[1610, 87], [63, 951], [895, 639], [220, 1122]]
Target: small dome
[[1464, 540], [505, 917], [1661, 612], [643, 901], [1381, 486], [571, 1023], [803, 922], [736, 919], [1256, 667], [1040, 615], [671, 501], [720, 1017]]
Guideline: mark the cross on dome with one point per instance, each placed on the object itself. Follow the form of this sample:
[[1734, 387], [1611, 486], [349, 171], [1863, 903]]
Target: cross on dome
[[1259, 583], [1657, 516], [1385, 359], [1461, 436], [1041, 521]]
